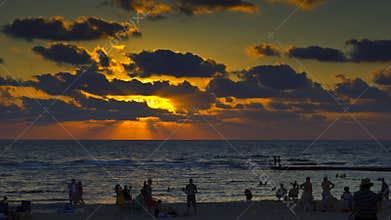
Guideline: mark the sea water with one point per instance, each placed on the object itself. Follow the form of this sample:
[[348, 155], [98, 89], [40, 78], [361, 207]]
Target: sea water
[[40, 170]]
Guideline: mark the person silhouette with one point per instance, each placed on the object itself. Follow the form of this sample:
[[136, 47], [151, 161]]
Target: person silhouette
[[190, 191]]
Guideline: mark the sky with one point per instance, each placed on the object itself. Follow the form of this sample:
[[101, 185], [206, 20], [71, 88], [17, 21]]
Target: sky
[[195, 69]]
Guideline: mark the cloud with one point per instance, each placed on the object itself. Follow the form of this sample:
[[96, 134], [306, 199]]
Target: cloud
[[370, 50], [317, 53], [358, 88], [65, 53], [56, 28], [265, 81], [278, 77], [304, 4], [196, 7], [264, 50], [86, 109], [167, 62], [382, 77], [224, 87], [149, 8], [183, 95], [358, 51], [156, 10], [104, 59]]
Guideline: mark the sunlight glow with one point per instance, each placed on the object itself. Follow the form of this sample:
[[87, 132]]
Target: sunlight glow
[[154, 102]]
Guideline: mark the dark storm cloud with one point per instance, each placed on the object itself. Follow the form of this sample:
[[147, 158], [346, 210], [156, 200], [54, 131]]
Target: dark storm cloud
[[382, 77], [56, 28], [370, 50], [317, 53], [64, 53], [167, 62]]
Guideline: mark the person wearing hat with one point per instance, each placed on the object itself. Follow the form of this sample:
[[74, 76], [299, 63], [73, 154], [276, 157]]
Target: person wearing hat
[[365, 202]]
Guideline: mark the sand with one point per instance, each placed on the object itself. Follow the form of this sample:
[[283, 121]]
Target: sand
[[264, 210]]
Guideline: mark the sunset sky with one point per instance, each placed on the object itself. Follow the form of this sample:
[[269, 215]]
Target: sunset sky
[[195, 69]]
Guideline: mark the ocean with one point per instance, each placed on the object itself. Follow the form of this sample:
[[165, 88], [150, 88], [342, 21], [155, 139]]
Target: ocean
[[40, 170]]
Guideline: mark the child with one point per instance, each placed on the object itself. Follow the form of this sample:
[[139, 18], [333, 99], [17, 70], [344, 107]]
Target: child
[[347, 199], [248, 194]]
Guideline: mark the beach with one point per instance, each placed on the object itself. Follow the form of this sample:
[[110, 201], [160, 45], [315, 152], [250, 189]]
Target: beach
[[265, 210]]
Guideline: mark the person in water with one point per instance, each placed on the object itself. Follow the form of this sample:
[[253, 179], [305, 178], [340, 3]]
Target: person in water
[[191, 191], [327, 186], [365, 202], [279, 161], [307, 197]]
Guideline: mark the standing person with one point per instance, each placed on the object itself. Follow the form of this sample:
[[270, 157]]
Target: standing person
[[385, 190], [365, 202], [327, 186], [148, 193], [117, 190], [347, 199], [127, 194], [279, 161], [307, 197], [79, 188], [275, 160], [191, 190], [72, 191]]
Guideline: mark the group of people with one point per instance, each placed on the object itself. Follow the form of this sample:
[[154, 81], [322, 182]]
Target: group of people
[[145, 199], [363, 203], [75, 192]]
